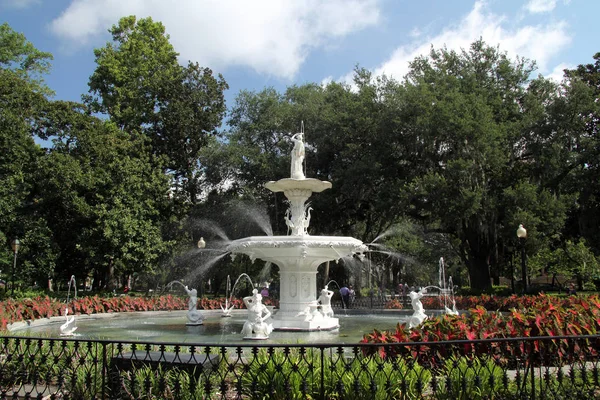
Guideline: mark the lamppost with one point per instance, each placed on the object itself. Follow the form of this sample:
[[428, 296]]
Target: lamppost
[[201, 245], [16, 245], [522, 235], [370, 280]]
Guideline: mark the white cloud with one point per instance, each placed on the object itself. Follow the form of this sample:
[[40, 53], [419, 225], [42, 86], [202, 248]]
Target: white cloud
[[540, 6], [273, 37], [536, 42], [326, 81], [557, 73], [19, 4]]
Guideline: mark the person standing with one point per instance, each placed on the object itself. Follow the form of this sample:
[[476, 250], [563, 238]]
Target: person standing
[[345, 293]]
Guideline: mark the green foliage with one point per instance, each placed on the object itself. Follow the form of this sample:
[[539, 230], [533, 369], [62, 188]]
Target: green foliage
[[296, 374], [139, 84], [472, 378], [574, 260], [21, 57], [466, 117], [102, 196], [164, 383]]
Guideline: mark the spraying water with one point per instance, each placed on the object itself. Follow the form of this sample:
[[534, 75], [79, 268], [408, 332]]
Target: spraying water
[[203, 268], [244, 275], [227, 309], [68, 328], [256, 214]]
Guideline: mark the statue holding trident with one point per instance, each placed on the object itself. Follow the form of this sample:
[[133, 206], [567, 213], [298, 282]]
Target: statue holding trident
[[298, 154]]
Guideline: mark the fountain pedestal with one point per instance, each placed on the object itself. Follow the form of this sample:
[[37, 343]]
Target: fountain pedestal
[[298, 258]]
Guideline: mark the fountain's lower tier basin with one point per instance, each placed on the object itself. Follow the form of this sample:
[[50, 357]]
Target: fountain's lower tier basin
[[292, 324], [170, 327]]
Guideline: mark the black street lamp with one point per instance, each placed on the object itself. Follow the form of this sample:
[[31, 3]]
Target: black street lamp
[[522, 235], [16, 245], [201, 245]]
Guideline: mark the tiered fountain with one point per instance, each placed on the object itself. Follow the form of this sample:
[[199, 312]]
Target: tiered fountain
[[298, 255]]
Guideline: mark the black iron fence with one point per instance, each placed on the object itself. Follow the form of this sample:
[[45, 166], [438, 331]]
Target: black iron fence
[[523, 368]]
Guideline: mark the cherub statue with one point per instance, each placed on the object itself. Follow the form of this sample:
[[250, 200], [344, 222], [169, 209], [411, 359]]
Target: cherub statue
[[194, 316]]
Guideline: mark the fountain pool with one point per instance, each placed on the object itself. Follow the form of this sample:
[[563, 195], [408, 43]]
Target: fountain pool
[[170, 327]]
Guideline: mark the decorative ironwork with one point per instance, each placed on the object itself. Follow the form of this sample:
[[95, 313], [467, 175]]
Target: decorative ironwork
[[564, 367]]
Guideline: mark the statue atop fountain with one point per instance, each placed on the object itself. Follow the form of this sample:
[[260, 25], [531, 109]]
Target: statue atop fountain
[[419, 312], [298, 153], [298, 255], [194, 316], [256, 326]]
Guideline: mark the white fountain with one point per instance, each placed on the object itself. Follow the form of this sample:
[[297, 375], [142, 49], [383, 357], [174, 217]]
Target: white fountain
[[298, 255], [69, 328]]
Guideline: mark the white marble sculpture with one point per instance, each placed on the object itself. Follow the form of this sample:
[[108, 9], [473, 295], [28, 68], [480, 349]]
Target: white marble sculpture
[[419, 312], [298, 153], [325, 300], [194, 316], [256, 326], [68, 329]]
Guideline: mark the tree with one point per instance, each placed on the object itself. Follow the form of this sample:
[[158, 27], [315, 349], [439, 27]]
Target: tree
[[468, 120], [103, 195], [139, 84], [346, 142], [581, 109], [22, 96]]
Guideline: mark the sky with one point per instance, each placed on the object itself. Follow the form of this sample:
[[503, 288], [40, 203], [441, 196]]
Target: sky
[[278, 43]]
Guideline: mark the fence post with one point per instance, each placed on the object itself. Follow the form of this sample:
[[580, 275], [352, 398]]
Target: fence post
[[322, 373], [531, 367], [104, 370]]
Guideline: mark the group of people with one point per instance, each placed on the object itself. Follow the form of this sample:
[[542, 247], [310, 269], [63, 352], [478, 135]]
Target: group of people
[[348, 295]]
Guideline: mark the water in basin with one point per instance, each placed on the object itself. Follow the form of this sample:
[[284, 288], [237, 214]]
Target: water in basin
[[169, 327]]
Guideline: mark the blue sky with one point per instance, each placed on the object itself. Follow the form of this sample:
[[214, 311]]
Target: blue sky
[[278, 43]]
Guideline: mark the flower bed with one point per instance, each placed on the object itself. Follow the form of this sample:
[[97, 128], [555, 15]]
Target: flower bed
[[45, 307], [491, 303], [513, 317]]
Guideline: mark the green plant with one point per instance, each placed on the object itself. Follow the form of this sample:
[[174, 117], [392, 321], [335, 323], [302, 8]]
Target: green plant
[[473, 378], [375, 377], [159, 383], [300, 373]]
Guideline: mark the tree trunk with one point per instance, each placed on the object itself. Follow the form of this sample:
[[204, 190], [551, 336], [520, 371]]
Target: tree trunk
[[479, 273]]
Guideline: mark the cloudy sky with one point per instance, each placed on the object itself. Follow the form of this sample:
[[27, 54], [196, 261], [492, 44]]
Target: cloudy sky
[[278, 43]]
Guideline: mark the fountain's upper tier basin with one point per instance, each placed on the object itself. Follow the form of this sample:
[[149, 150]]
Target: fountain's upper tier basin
[[311, 184], [315, 248]]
